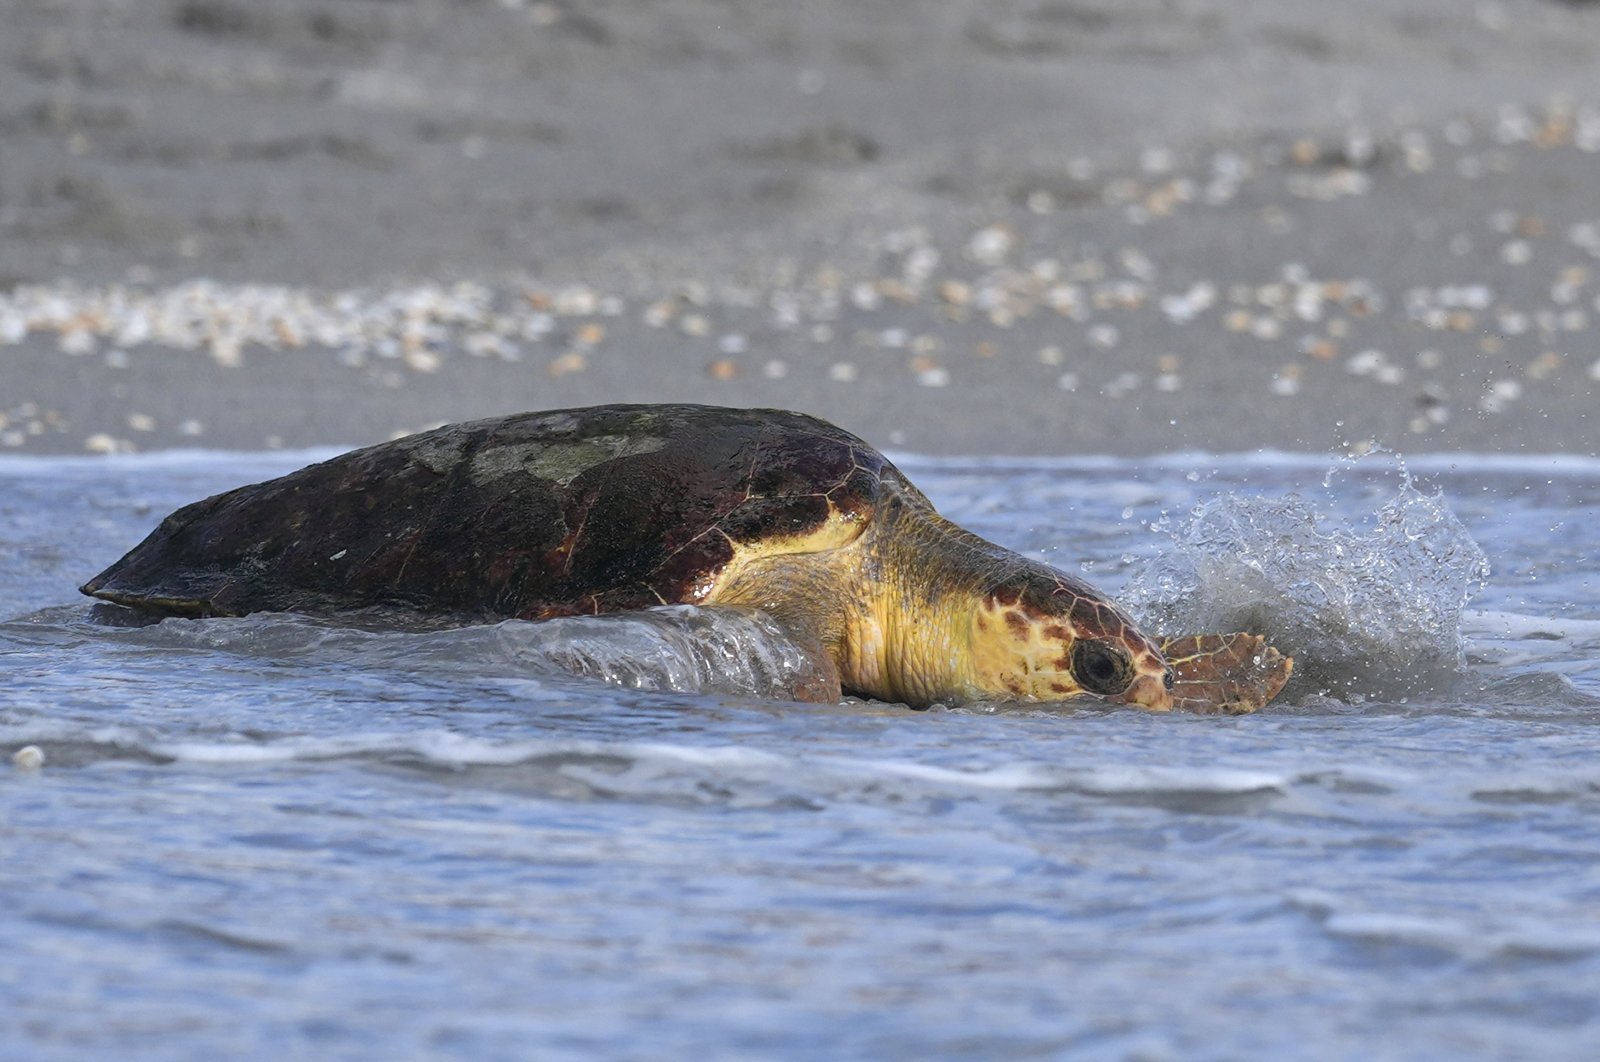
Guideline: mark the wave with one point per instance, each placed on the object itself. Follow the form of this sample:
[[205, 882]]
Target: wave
[[740, 775], [677, 648], [646, 768], [1467, 939], [720, 773], [1490, 623]]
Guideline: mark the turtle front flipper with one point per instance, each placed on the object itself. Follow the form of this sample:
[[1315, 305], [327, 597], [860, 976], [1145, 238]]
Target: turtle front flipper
[[1225, 674]]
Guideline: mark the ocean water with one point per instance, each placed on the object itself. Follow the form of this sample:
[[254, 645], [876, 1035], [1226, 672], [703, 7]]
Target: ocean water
[[276, 837]]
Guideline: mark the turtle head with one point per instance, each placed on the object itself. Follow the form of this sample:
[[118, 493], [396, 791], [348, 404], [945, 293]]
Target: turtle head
[[1050, 637]]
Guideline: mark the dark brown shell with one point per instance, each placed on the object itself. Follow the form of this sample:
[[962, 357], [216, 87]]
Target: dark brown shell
[[532, 515]]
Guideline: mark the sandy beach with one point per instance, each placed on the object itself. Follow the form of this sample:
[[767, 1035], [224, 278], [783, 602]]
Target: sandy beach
[[1079, 226]]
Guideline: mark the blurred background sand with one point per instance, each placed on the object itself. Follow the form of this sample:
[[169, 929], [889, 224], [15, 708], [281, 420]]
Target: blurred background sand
[[1024, 226]]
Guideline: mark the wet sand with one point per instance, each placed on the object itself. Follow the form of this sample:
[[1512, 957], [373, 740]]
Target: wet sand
[[1041, 227]]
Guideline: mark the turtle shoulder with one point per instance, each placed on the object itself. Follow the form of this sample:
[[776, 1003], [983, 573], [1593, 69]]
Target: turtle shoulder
[[727, 483]]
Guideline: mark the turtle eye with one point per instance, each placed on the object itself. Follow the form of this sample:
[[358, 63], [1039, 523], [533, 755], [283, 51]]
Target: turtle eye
[[1101, 667]]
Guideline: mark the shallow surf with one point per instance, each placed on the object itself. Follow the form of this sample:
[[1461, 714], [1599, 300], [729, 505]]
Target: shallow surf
[[613, 837]]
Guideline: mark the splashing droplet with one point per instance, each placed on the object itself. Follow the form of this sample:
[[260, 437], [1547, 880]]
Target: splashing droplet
[[1370, 611]]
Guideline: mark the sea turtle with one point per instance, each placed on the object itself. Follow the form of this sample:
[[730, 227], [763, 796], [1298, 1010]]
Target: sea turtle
[[622, 507]]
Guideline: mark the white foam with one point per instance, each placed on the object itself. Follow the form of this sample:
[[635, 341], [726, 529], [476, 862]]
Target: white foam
[[224, 752], [1009, 777], [721, 756], [1108, 781], [442, 747], [1214, 781]]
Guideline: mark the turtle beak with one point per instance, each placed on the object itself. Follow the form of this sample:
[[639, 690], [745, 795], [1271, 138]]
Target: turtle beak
[[1148, 691]]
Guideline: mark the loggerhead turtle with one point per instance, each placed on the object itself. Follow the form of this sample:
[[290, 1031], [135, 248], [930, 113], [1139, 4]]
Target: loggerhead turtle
[[613, 508]]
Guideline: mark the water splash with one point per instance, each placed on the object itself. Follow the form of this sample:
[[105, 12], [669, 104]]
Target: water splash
[[677, 648], [1369, 609]]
